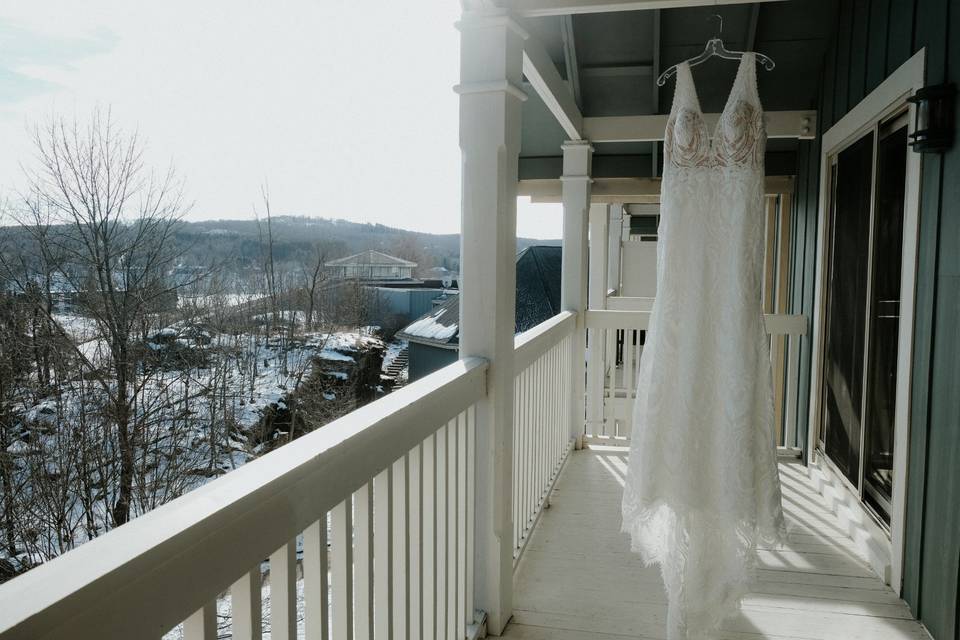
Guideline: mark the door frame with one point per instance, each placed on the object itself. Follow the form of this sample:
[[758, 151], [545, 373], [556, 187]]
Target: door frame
[[888, 98]]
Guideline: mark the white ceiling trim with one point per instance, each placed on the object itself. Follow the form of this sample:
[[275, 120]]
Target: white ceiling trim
[[536, 8], [779, 124], [627, 190], [552, 89]]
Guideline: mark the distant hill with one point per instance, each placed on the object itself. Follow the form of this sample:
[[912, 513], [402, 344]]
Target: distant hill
[[293, 235], [235, 246]]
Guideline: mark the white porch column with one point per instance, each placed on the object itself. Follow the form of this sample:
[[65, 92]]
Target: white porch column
[[596, 369], [613, 248], [577, 160], [491, 60]]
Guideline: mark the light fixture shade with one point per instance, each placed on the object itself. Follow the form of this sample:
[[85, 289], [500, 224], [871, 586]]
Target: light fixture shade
[[934, 121]]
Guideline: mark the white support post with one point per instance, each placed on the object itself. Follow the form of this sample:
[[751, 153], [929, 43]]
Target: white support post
[[613, 248], [491, 60], [597, 300], [577, 162]]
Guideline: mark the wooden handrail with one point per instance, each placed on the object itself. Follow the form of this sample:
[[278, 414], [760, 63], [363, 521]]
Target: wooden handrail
[[143, 578], [531, 344], [775, 323], [629, 303]]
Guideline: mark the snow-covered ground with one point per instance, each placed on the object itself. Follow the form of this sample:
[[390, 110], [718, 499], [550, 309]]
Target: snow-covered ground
[[198, 406]]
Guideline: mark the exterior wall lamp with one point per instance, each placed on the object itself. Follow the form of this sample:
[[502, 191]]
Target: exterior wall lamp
[[934, 124]]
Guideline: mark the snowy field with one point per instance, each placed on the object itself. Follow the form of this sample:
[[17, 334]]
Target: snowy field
[[198, 407]]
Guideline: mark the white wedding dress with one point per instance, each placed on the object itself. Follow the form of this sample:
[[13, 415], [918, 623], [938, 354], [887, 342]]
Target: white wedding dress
[[702, 486]]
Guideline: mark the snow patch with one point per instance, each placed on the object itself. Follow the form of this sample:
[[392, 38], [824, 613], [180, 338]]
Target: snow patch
[[429, 328]]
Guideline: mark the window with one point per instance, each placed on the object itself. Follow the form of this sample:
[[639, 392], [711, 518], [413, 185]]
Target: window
[[862, 324]]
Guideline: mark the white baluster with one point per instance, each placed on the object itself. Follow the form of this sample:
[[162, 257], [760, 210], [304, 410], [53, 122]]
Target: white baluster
[[341, 574], [414, 471], [363, 562], [471, 505], [429, 554], [283, 592], [202, 625], [452, 532], [246, 602], [383, 554], [316, 581], [401, 542], [442, 535], [462, 575]]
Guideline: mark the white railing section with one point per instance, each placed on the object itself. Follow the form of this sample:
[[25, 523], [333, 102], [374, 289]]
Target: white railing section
[[365, 528], [541, 423], [615, 344]]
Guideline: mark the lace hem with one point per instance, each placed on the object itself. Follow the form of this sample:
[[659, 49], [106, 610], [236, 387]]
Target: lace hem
[[707, 562]]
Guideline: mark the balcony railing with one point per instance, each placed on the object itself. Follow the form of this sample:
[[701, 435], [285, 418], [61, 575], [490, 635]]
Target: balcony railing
[[372, 514], [541, 419], [364, 527], [615, 339]]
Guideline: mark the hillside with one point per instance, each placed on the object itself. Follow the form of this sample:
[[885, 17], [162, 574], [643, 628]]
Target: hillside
[[239, 240]]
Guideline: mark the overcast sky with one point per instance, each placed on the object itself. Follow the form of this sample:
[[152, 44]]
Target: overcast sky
[[344, 107]]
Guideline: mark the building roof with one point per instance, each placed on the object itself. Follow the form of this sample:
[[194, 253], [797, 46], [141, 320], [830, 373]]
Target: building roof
[[440, 326], [371, 258], [538, 298]]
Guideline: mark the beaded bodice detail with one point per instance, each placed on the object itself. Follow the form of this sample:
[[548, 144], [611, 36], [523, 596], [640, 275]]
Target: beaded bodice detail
[[739, 138]]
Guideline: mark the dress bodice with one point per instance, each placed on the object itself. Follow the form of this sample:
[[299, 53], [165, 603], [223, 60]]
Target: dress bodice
[[739, 139]]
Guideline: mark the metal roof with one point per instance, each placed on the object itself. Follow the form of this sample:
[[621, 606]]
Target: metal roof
[[538, 299], [371, 257]]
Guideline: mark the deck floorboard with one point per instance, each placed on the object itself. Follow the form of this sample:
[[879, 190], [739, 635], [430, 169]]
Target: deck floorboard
[[578, 579]]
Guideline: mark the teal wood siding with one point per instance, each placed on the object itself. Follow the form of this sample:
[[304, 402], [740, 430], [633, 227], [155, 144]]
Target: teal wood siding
[[874, 38], [424, 359]]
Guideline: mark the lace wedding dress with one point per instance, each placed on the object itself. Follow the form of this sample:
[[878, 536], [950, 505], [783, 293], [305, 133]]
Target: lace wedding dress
[[702, 486]]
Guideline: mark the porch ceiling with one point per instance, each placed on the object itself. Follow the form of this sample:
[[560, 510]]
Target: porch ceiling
[[611, 59]]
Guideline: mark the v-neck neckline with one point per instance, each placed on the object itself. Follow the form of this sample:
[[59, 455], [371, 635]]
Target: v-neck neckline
[[733, 89]]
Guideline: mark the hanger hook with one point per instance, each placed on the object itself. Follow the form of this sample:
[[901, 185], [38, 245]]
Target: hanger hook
[[719, 25]]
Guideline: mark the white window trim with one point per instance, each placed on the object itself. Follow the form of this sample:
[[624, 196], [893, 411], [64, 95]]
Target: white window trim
[[886, 99]]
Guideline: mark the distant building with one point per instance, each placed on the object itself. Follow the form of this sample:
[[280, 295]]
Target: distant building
[[371, 265], [434, 337], [446, 276]]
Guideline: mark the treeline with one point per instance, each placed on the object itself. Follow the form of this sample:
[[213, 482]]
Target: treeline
[[125, 379]]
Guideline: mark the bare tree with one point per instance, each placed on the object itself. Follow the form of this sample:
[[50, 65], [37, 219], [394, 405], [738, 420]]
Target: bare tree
[[314, 277], [115, 224], [408, 248], [14, 363]]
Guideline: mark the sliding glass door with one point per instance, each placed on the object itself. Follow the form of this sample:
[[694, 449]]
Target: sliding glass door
[[868, 189]]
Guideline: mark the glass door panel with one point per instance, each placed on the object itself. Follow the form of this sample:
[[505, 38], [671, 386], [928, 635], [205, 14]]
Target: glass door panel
[[881, 383], [845, 327]]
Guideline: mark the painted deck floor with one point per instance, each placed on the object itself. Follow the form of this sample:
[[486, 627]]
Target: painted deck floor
[[578, 579]]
